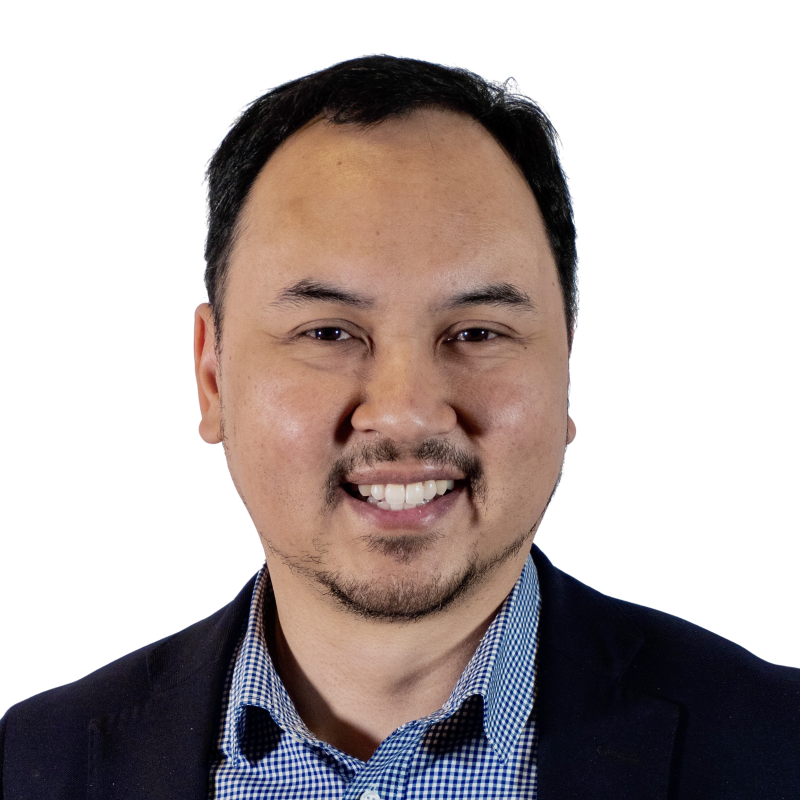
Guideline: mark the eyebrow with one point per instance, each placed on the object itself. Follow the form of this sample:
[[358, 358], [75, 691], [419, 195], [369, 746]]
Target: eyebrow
[[492, 294], [310, 291]]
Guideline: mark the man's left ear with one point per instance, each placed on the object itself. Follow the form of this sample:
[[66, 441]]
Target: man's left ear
[[572, 428], [206, 371]]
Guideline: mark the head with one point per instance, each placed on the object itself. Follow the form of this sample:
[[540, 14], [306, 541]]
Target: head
[[392, 295]]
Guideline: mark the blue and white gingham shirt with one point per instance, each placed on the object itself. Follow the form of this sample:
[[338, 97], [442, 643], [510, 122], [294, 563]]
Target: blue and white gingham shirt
[[480, 743]]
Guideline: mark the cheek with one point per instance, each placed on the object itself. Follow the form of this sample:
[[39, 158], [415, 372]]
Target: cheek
[[521, 426], [524, 410], [281, 429], [293, 424]]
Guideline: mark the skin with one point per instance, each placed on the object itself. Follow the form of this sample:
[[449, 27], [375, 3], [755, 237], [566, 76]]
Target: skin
[[408, 216]]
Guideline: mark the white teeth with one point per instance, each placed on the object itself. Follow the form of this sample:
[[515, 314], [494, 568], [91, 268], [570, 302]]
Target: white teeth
[[415, 493], [398, 496], [395, 494]]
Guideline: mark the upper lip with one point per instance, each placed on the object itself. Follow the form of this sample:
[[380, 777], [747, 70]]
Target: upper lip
[[398, 475]]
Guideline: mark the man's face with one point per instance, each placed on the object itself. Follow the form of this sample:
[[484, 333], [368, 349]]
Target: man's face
[[392, 316]]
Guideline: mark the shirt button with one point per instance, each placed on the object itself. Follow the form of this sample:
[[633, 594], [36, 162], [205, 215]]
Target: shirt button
[[370, 794]]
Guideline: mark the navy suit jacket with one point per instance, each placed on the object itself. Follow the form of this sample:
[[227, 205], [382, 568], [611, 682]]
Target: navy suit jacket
[[631, 703]]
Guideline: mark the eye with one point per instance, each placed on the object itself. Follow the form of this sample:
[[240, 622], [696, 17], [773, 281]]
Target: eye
[[330, 334], [474, 335]]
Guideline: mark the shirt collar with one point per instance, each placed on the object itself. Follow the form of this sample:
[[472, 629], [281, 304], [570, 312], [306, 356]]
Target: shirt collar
[[501, 671]]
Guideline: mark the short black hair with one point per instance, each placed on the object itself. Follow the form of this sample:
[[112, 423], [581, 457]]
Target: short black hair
[[365, 91]]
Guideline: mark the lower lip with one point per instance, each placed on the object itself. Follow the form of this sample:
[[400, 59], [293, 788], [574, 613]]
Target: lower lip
[[410, 518]]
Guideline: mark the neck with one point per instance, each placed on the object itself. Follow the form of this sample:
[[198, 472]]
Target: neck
[[354, 680]]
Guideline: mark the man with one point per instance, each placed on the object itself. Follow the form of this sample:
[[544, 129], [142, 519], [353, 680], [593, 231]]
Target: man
[[385, 358]]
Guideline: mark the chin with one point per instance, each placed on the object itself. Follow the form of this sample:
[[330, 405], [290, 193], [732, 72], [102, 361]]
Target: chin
[[403, 594]]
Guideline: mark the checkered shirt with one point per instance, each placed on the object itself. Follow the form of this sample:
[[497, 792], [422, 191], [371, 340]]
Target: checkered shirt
[[480, 743]]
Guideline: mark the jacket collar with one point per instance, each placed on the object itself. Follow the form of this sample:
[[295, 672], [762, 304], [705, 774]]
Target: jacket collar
[[597, 735]]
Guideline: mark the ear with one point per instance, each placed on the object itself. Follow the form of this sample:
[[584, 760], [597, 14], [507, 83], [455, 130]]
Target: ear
[[206, 373], [572, 428]]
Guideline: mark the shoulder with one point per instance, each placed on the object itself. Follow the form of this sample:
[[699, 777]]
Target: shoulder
[[115, 685], [686, 661], [661, 655], [732, 705], [617, 677], [60, 718], [654, 646], [161, 695]]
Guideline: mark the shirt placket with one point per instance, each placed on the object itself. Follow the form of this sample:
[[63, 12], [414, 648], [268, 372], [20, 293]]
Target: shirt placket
[[385, 775]]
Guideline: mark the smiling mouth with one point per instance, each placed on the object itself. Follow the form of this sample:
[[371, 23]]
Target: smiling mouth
[[399, 496]]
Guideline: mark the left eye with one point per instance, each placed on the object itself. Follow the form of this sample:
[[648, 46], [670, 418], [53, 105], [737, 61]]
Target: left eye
[[474, 335], [328, 334]]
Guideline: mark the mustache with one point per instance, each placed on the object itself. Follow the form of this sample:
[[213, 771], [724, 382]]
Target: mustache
[[435, 452]]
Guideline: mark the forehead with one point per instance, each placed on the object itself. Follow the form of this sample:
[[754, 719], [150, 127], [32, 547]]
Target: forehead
[[430, 190]]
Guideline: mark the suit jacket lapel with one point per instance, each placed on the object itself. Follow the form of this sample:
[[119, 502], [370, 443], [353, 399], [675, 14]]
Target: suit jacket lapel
[[163, 747], [598, 736]]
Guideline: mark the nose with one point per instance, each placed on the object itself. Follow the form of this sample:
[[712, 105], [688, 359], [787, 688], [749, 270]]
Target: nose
[[404, 396]]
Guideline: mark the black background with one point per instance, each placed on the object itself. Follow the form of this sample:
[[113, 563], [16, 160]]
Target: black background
[[123, 527]]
